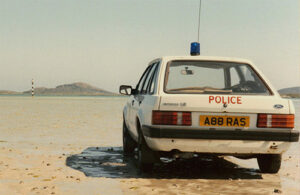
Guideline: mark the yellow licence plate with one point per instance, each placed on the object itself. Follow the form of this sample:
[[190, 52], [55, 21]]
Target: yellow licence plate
[[224, 121]]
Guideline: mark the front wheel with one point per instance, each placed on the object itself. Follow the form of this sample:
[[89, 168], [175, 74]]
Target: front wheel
[[269, 163]]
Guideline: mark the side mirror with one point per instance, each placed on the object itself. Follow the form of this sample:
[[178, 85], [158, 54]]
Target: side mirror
[[126, 90]]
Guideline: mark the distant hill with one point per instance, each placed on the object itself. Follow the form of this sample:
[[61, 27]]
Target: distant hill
[[7, 92], [290, 92], [70, 89]]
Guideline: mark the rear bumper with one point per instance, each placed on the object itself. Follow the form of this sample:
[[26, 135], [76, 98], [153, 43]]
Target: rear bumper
[[254, 135], [219, 147]]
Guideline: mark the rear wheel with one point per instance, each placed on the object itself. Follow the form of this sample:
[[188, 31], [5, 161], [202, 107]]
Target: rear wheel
[[269, 163], [128, 142], [146, 156]]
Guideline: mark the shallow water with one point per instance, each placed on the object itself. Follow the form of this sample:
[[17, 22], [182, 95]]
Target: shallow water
[[295, 148], [297, 109], [96, 121]]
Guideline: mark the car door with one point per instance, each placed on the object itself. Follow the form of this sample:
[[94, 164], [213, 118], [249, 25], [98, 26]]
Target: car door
[[143, 100], [150, 99], [134, 101]]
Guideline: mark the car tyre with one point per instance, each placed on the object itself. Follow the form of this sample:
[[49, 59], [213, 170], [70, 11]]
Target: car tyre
[[128, 142], [269, 163], [145, 156]]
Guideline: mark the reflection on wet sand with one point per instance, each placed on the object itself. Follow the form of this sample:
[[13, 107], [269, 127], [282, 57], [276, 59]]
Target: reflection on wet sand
[[198, 174], [109, 162]]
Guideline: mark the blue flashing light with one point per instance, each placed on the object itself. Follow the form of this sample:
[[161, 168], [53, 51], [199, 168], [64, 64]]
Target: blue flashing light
[[195, 49]]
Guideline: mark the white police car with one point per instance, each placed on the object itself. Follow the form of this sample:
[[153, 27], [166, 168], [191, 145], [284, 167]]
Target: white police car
[[184, 105]]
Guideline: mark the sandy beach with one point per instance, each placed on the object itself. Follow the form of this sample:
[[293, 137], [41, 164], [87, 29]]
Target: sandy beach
[[72, 145]]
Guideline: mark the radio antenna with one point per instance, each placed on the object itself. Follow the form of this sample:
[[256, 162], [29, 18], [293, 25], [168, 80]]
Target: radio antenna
[[195, 46], [199, 21]]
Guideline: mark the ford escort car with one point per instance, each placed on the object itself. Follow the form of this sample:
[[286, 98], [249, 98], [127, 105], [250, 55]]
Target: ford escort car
[[186, 105]]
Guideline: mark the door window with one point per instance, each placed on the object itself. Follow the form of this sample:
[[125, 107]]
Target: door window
[[152, 84], [148, 79], [142, 80]]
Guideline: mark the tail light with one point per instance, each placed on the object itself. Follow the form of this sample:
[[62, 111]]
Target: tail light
[[171, 118], [275, 120]]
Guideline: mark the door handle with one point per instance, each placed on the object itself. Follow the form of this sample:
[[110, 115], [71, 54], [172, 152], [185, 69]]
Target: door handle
[[132, 103]]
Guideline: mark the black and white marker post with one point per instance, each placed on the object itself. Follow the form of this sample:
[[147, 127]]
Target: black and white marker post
[[32, 87]]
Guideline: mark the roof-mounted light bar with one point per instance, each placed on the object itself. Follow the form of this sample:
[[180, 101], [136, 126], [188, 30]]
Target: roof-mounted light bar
[[195, 49]]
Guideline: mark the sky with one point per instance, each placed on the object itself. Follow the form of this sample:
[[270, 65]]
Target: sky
[[110, 42]]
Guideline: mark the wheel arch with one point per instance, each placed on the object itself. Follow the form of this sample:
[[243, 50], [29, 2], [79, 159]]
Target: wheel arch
[[124, 115]]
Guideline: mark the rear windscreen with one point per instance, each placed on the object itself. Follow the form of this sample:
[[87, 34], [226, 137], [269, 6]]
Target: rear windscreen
[[213, 78]]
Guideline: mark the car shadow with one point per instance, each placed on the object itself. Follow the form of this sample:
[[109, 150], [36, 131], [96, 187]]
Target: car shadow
[[109, 162]]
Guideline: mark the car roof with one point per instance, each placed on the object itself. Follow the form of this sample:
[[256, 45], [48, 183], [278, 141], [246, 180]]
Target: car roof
[[208, 58]]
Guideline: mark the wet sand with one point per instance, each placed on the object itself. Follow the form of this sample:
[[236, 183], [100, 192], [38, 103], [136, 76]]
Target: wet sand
[[64, 145]]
